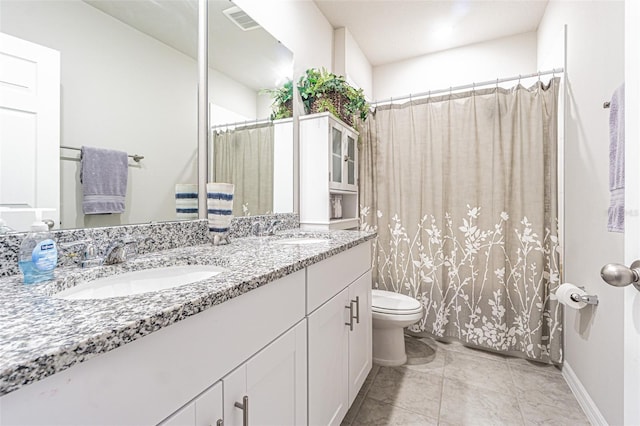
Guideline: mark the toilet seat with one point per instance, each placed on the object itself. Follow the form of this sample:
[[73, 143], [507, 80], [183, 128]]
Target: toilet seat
[[388, 302]]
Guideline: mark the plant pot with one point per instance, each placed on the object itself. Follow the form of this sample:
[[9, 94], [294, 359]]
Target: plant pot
[[335, 103]]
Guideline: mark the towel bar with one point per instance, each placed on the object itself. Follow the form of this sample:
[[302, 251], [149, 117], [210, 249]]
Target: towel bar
[[135, 157]]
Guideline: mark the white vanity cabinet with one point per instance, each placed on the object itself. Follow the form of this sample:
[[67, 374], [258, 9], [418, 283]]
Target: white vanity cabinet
[[270, 388], [206, 410], [293, 352], [339, 319], [247, 393], [147, 381], [328, 173]]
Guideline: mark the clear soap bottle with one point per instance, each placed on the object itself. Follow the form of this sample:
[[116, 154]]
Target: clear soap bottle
[[38, 254]]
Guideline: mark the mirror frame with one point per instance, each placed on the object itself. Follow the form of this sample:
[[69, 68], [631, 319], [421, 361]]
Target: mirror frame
[[203, 105]]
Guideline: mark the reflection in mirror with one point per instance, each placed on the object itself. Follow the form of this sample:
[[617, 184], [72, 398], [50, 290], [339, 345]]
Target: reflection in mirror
[[245, 147], [128, 81]]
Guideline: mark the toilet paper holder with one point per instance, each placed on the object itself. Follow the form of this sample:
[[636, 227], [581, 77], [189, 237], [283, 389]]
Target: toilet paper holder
[[589, 299]]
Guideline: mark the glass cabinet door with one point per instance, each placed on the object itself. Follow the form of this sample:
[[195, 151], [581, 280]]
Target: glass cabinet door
[[350, 159], [336, 155]]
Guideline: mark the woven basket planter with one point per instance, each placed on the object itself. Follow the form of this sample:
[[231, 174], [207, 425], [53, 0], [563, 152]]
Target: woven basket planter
[[339, 102]]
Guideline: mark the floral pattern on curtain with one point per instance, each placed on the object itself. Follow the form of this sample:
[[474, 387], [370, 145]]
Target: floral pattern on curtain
[[462, 191]]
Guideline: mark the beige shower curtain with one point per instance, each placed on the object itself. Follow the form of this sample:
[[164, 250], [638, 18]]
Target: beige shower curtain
[[462, 190], [244, 157]]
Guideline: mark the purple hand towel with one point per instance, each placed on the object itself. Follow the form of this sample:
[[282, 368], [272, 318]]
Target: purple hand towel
[[616, 161], [103, 175]]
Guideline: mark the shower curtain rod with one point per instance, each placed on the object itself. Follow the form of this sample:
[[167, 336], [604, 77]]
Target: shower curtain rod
[[467, 86], [245, 123]]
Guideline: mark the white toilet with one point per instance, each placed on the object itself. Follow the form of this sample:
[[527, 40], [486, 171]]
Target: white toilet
[[391, 313]]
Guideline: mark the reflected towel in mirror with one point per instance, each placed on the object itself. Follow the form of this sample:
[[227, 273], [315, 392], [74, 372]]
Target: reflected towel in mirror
[[103, 175]]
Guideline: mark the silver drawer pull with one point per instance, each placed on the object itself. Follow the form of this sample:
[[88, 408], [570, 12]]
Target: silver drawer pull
[[220, 422], [350, 323], [244, 406], [357, 302]]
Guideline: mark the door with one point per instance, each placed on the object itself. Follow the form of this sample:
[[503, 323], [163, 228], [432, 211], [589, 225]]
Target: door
[[269, 389], [329, 361], [632, 215], [360, 345], [29, 125], [208, 406]]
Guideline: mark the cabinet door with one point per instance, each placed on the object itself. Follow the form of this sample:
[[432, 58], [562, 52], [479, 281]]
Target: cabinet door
[[209, 406], [336, 134], [328, 361], [273, 382], [360, 344], [350, 162], [186, 416]]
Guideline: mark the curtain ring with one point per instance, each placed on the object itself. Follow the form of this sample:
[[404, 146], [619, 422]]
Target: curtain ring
[[450, 90], [497, 82], [519, 78], [538, 76]]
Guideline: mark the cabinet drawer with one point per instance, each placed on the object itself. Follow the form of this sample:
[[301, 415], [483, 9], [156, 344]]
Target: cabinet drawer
[[329, 277]]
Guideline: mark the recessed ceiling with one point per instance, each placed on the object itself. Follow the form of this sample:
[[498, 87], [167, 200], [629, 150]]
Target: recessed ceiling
[[393, 30]]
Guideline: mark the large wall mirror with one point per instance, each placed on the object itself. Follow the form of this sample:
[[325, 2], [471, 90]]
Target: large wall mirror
[[246, 147], [128, 81]]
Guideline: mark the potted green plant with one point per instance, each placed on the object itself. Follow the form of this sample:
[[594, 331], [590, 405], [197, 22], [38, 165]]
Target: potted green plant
[[322, 91], [282, 106]]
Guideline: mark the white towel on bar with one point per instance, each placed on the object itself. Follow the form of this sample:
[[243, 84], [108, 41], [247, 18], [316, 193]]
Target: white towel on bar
[[616, 161]]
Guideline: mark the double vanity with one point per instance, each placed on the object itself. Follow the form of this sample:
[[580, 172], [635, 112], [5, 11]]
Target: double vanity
[[276, 331]]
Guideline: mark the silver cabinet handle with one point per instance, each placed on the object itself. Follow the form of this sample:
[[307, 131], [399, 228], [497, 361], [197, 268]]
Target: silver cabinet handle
[[620, 276], [244, 406], [220, 422], [357, 302], [350, 323]]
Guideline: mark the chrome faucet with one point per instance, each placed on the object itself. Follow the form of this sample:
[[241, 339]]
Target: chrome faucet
[[116, 253], [271, 229], [258, 230], [121, 250], [89, 256]]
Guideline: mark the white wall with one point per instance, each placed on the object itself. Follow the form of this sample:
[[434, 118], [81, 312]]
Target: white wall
[[595, 67], [227, 93], [299, 25], [350, 61], [504, 57]]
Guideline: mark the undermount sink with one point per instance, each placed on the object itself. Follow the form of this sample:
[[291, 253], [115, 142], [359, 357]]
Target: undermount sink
[[138, 282], [301, 241]]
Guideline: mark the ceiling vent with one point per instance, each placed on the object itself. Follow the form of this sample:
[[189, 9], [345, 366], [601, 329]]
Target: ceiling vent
[[241, 19]]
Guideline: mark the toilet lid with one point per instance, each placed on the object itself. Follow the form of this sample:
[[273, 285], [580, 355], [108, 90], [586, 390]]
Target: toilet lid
[[390, 302]]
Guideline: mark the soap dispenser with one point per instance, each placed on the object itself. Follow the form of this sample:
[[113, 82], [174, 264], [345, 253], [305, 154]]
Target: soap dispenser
[[38, 254]]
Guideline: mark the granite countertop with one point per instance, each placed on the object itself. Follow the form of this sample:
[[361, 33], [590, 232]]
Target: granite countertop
[[41, 335]]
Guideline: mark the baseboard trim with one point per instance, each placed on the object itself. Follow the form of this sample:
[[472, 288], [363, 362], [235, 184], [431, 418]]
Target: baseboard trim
[[588, 406]]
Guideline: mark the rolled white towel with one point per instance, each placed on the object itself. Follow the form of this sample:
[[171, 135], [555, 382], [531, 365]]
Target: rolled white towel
[[186, 201], [219, 207]]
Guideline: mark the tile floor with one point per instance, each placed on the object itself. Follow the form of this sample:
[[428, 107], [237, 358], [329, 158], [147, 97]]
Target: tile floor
[[450, 384]]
